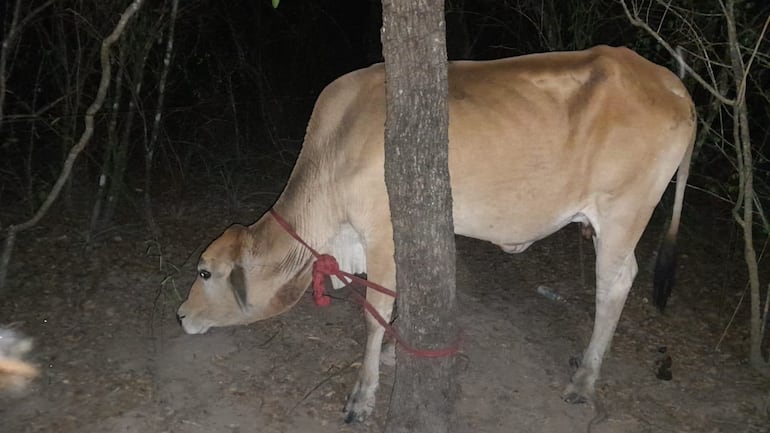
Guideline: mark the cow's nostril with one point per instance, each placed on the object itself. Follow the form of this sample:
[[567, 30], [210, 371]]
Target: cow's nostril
[[179, 319]]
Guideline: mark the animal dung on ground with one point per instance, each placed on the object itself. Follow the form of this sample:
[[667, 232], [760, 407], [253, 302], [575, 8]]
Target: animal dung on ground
[[663, 365]]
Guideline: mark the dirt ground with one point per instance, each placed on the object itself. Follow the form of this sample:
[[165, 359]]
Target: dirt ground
[[113, 358]]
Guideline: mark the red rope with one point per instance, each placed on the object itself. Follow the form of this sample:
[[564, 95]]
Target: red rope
[[326, 264]]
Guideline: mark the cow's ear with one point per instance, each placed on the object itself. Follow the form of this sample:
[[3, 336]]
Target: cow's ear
[[238, 286]]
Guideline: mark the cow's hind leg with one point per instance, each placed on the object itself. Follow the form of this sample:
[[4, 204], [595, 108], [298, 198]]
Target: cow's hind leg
[[615, 271]]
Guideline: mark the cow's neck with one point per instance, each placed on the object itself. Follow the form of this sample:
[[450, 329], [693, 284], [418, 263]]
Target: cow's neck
[[308, 204]]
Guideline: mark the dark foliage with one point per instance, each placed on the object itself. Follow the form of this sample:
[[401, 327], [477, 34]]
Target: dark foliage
[[245, 75]]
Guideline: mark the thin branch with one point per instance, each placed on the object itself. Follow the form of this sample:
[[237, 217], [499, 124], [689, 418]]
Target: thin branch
[[8, 42], [79, 146], [636, 21], [742, 87], [764, 315], [6, 46], [732, 318], [151, 145]]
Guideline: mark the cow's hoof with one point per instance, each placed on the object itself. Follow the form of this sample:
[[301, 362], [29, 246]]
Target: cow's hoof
[[353, 415], [574, 395], [574, 398], [360, 404]]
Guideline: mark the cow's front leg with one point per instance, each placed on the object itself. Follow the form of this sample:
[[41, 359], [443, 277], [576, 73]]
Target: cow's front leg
[[361, 400]]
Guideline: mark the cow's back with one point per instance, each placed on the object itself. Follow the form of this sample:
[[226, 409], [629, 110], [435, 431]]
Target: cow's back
[[534, 140]]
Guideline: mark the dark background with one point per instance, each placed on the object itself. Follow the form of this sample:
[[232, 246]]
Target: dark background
[[244, 77]]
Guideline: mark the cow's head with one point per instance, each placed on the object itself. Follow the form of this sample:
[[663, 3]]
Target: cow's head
[[245, 275]]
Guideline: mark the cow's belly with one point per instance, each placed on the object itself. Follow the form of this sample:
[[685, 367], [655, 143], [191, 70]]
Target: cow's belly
[[511, 223], [511, 192]]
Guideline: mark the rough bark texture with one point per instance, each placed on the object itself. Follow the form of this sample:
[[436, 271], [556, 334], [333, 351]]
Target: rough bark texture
[[417, 178]]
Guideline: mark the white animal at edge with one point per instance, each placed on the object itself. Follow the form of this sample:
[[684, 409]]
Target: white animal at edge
[[15, 372], [535, 142]]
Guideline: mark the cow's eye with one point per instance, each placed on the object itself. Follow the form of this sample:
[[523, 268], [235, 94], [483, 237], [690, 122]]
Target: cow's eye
[[204, 274]]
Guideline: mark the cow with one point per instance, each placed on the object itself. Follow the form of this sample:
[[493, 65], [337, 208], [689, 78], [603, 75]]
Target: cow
[[535, 142]]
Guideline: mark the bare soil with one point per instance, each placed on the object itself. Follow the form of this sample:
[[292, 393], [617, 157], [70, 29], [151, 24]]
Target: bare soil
[[113, 358]]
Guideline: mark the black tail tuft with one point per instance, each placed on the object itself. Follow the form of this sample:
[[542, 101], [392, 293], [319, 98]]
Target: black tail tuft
[[665, 268]]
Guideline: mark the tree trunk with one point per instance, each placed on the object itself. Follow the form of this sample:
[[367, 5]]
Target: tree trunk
[[417, 179], [152, 144]]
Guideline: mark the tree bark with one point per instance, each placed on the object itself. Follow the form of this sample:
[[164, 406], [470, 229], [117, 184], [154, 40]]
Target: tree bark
[[742, 143], [417, 179]]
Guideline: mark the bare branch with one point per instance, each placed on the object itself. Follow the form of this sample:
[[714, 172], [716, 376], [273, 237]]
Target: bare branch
[[634, 19], [152, 143], [742, 87], [6, 46], [9, 39], [79, 146]]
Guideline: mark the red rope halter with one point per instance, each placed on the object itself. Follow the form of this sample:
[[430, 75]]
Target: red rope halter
[[326, 264]]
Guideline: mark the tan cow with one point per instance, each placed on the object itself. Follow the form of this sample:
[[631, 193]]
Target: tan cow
[[535, 142]]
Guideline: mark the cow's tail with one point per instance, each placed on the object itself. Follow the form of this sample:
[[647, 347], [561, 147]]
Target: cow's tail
[[665, 266]]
